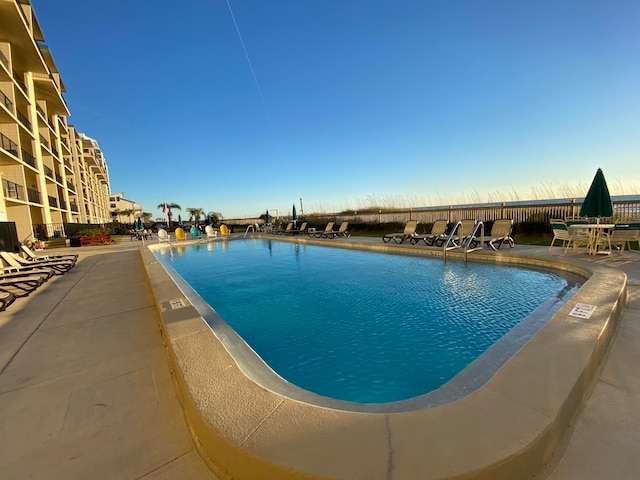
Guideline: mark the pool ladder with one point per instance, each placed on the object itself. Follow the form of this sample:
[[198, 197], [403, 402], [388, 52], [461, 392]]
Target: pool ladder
[[460, 240]]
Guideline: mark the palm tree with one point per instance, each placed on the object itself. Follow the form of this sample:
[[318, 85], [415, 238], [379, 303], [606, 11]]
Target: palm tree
[[128, 212], [170, 206], [215, 217], [195, 212]]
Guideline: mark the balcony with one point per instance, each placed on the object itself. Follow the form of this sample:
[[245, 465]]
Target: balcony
[[6, 101], [71, 187], [12, 190], [23, 120], [33, 196], [48, 172], [29, 159], [8, 145], [53, 202], [44, 141]]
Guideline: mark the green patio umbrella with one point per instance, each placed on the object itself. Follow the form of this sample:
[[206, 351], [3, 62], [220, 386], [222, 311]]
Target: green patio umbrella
[[179, 219], [294, 214], [138, 224], [597, 203], [267, 220]]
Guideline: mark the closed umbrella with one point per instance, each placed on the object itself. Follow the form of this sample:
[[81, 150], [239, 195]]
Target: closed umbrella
[[597, 203], [179, 219], [294, 215], [138, 224], [267, 220], [209, 220]]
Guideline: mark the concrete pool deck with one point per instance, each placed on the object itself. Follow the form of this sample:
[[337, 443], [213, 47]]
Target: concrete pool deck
[[85, 392]]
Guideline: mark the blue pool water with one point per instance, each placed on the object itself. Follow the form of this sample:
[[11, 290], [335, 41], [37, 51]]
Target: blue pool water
[[361, 326]]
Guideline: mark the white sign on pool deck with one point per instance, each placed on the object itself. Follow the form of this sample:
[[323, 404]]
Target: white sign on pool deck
[[582, 310]]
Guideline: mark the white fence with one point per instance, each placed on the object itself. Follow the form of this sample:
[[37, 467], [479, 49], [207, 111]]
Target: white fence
[[625, 207]]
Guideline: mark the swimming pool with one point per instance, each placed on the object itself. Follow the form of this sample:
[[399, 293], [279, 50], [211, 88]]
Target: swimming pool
[[369, 327]]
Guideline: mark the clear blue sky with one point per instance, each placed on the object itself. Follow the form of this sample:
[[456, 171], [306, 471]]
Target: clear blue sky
[[347, 103]]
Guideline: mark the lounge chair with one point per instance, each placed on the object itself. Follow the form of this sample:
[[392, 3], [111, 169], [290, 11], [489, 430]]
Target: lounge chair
[[500, 233], [436, 237], [224, 230], [286, 231], [409, 231], [625, 233], [19, 272], [21, 287], [318, 233], [341, 232], [299, 231], [210, 232], [28, 254], [6, 299], [59, 266]]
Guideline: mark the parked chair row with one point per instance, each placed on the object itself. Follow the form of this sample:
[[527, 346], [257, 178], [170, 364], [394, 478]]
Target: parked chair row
[[329, 232], [500, 234], [21, 275]]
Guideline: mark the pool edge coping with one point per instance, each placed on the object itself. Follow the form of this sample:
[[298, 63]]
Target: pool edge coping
[[245, 446]]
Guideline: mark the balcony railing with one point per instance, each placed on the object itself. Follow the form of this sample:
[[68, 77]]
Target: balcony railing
[[53, 201], [33, 195], [71, 187], [48, 172], [41, 111], [6, 101], [63, 205], [19, 81], [74, 207], [12, 190], [59, 178], [28, 158], [4, 60], [9, 145], [44, 141], [23, 120], [55, 152]]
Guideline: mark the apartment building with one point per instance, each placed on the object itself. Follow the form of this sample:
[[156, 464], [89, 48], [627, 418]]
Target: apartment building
[[122, 209], [51, 173]]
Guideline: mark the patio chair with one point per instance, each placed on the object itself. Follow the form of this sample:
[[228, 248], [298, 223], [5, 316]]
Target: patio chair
[[195, 233], [318, 233], [436, 235], [180, 234], [625, 234], [341, 232], [500, 233], [163, 236], [60, 266], [561, 232], [224, 230], [28, 254], [210, 232], [409, 231]]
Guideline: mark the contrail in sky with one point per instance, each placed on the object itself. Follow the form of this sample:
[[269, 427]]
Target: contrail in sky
[[246, 54]]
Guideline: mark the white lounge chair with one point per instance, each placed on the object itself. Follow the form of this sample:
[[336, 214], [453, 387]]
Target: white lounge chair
[[318, 233]]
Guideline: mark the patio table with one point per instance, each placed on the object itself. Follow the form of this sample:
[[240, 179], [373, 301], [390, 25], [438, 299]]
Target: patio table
[[596, 232]]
